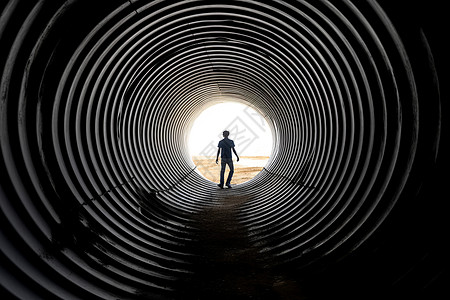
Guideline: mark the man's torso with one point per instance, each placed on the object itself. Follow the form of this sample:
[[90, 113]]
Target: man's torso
[[226, 145]]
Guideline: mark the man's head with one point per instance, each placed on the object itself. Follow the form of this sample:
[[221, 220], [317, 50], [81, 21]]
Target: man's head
[[226, 133]]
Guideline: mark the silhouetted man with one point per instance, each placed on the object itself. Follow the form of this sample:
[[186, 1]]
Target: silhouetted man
[[225, 159]]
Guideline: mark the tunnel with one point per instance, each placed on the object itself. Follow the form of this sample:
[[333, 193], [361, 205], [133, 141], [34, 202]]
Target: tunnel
[[101, 200]]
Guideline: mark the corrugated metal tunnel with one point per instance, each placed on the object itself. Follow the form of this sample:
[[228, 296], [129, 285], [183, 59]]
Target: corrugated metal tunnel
[[98, 191]]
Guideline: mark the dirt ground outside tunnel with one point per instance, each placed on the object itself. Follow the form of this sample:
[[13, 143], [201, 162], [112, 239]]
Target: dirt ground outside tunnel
[[244, 170]]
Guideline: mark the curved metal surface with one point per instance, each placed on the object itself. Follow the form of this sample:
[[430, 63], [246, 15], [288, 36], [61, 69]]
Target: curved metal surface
[[98, 189]]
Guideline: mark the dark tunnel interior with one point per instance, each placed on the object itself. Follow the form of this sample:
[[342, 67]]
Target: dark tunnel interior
[[101, 200]]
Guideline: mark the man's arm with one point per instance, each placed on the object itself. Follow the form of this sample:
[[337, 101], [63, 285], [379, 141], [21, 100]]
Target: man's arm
[[217, 157], [237, 156]]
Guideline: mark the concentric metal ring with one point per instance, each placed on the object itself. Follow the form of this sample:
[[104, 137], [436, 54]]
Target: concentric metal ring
[[98, 189]]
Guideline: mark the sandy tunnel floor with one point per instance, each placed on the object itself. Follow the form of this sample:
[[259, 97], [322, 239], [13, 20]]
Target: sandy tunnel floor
[[227, 265]]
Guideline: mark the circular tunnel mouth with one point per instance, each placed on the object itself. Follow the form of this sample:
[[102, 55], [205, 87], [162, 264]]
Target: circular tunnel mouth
[[99, 192], [249, 131]]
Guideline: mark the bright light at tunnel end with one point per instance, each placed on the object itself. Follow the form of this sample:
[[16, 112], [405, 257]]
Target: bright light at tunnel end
[[248, 129]]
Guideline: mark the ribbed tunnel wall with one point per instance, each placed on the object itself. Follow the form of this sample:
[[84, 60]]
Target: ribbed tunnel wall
[[98, 189]]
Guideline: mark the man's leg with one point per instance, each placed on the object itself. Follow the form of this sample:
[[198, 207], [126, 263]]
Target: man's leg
[[223, 165], [230, 175]]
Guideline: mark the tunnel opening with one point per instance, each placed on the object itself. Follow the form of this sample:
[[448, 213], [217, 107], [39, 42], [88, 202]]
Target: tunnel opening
[[249, 131], [100, 197]]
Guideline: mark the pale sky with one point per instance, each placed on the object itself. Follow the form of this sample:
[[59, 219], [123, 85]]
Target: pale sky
[[248, 129]]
